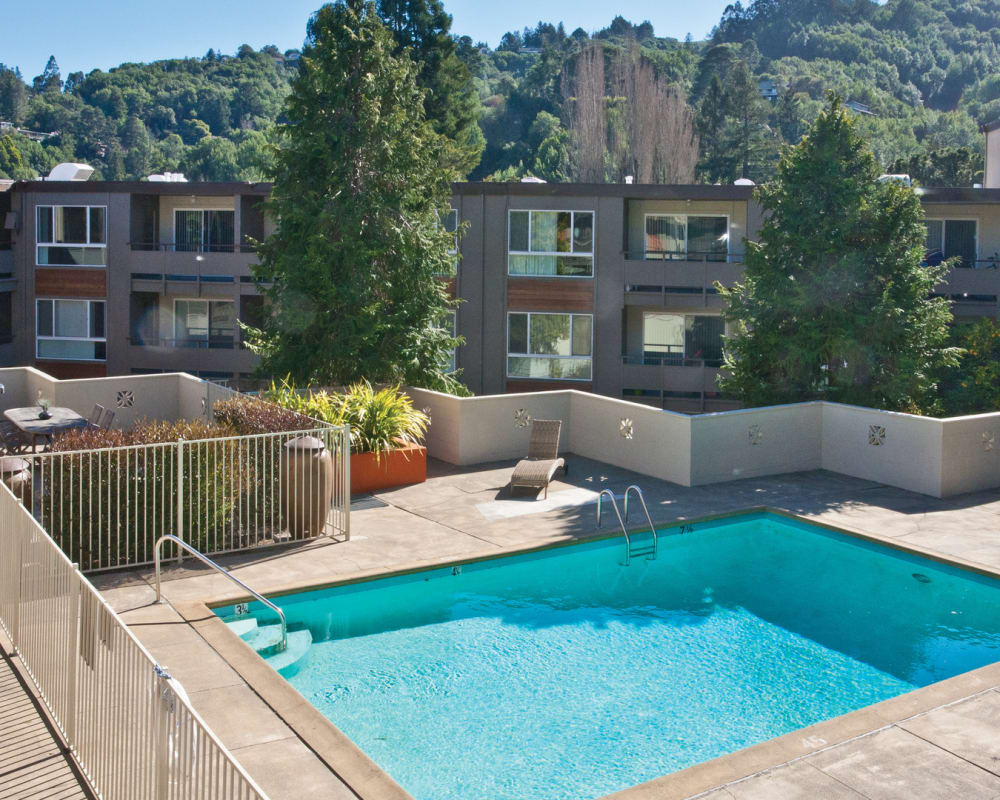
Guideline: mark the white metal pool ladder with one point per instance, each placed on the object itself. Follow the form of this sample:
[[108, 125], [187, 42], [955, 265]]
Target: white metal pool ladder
[[648, 550]]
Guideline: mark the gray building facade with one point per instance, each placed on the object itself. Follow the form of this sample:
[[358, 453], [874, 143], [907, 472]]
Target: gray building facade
[[603, 288]]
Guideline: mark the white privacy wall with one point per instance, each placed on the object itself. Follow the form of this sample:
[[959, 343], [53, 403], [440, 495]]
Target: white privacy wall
[[922, 454]]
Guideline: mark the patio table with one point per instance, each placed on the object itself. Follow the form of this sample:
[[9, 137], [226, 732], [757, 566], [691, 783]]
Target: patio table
[[27, 421]]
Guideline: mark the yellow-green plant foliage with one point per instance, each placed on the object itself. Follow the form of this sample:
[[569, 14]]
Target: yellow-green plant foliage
[[380, 419]]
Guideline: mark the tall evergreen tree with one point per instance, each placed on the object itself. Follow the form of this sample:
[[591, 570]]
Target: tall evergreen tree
[[138, 149], [835, 302], [13, 95], [421, 28], [360, 187], [749, 139]]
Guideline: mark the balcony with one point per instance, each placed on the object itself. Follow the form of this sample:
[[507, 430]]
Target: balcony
[[672, 373], [165, 258], [678, 280]]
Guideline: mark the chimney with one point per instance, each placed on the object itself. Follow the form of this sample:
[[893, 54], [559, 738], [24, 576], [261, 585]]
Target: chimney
[[991, 172]]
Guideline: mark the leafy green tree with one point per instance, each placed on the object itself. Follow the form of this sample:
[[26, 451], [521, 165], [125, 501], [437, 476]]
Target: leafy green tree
[[710, 123], [973, 385], [360, 187], [946, 167], [13, 95], [835, 302], [212, 159], [138, 149], [49, 80], [421, 28], [11, 164]]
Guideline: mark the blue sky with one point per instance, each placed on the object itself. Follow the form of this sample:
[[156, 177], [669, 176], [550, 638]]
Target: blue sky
[[104, 33]]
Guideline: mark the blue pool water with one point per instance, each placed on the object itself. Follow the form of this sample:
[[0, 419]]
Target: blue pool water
[[562, 675]]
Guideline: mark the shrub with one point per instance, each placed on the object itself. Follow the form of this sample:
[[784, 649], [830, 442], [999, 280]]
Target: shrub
[[246, 416], [380, 419], [144, 432]]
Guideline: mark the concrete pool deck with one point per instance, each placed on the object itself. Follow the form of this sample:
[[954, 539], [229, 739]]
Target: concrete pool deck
[[941, 741]]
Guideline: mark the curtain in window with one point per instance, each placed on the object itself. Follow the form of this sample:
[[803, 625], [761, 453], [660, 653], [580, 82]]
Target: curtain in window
[[221, 231], [664, 237], [187, 237]]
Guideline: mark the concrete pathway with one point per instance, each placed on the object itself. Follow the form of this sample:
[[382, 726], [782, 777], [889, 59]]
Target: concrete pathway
[[952, 751]]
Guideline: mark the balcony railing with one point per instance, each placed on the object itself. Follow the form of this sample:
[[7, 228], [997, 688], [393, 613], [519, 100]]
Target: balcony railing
[[699, 256], [211, 343], [672, 360], [186, 247]]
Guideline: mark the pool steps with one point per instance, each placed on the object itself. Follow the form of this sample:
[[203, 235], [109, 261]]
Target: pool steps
[[265, 640]]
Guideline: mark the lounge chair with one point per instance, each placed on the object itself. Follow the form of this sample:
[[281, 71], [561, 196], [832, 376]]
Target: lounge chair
[[94, 420], [109, 417], [536, 471]]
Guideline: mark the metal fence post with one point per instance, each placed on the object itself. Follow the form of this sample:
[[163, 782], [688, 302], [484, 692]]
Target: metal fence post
[[180, 496], [164, 709], [75, 603]]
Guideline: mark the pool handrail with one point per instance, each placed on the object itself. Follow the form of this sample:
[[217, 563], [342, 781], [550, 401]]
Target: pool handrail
[[614, 505], [222, 570], [642, 502]]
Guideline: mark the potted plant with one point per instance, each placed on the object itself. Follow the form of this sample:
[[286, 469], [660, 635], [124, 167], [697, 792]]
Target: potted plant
[[386, 430]]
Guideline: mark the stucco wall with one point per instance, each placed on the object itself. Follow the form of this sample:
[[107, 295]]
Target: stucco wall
[[909, 456], [753, 442], [931, 456]]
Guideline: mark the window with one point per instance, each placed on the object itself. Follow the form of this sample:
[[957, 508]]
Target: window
[[947, 238], [144, 318], [70, 329], [74, 236], [554, 243], [451, 225], [205, 323], [687, 238], [677, 338], [555, 346], [6, 318], [253, 312], [450, 327], [204, 230]]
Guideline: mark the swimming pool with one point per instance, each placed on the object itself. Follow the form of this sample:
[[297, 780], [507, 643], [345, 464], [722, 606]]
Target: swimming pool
[[561, 674]]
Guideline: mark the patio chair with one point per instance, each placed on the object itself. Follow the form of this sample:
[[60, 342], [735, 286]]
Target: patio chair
[[94, 420], [11, 440], [108, 419], [536, 471]]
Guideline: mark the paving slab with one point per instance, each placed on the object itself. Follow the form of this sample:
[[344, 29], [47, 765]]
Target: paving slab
[[896, 765], [797, 781], [968, 729]]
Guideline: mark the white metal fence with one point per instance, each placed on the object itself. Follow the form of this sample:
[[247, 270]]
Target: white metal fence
[[106, 508], [129, 725]]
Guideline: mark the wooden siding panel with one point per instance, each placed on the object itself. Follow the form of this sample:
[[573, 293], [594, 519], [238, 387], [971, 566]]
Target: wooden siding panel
[[550, 294], [68, 370], [71, 282]]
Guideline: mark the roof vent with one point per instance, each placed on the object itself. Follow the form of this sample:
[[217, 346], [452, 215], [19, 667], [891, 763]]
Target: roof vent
[[743, 182], [629, 180], [70, 172], [167, 177]]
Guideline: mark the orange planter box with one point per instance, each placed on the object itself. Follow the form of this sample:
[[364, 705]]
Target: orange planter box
[[399, 467]]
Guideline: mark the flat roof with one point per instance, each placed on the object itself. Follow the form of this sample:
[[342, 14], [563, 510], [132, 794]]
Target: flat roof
[[639, 191], [145, 187]]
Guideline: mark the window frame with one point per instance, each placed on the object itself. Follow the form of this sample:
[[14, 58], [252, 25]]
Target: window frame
[[687, 252], [88, 245], [944, 236], [206, 343], [573, 212], [528, 314], [89, 301], [202, 246]]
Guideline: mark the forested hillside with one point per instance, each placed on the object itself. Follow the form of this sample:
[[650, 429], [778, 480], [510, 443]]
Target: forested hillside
[[921, 74]]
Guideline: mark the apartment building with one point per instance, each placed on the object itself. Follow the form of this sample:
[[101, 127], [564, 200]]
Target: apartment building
[[610, 288], [107, 278], [603, 288]]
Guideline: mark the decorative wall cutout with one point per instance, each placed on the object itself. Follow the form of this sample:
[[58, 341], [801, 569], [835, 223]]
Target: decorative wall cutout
[[522, 419], [755, 435], [876, 435], [989, 440], [625, 429], [125, 399]]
